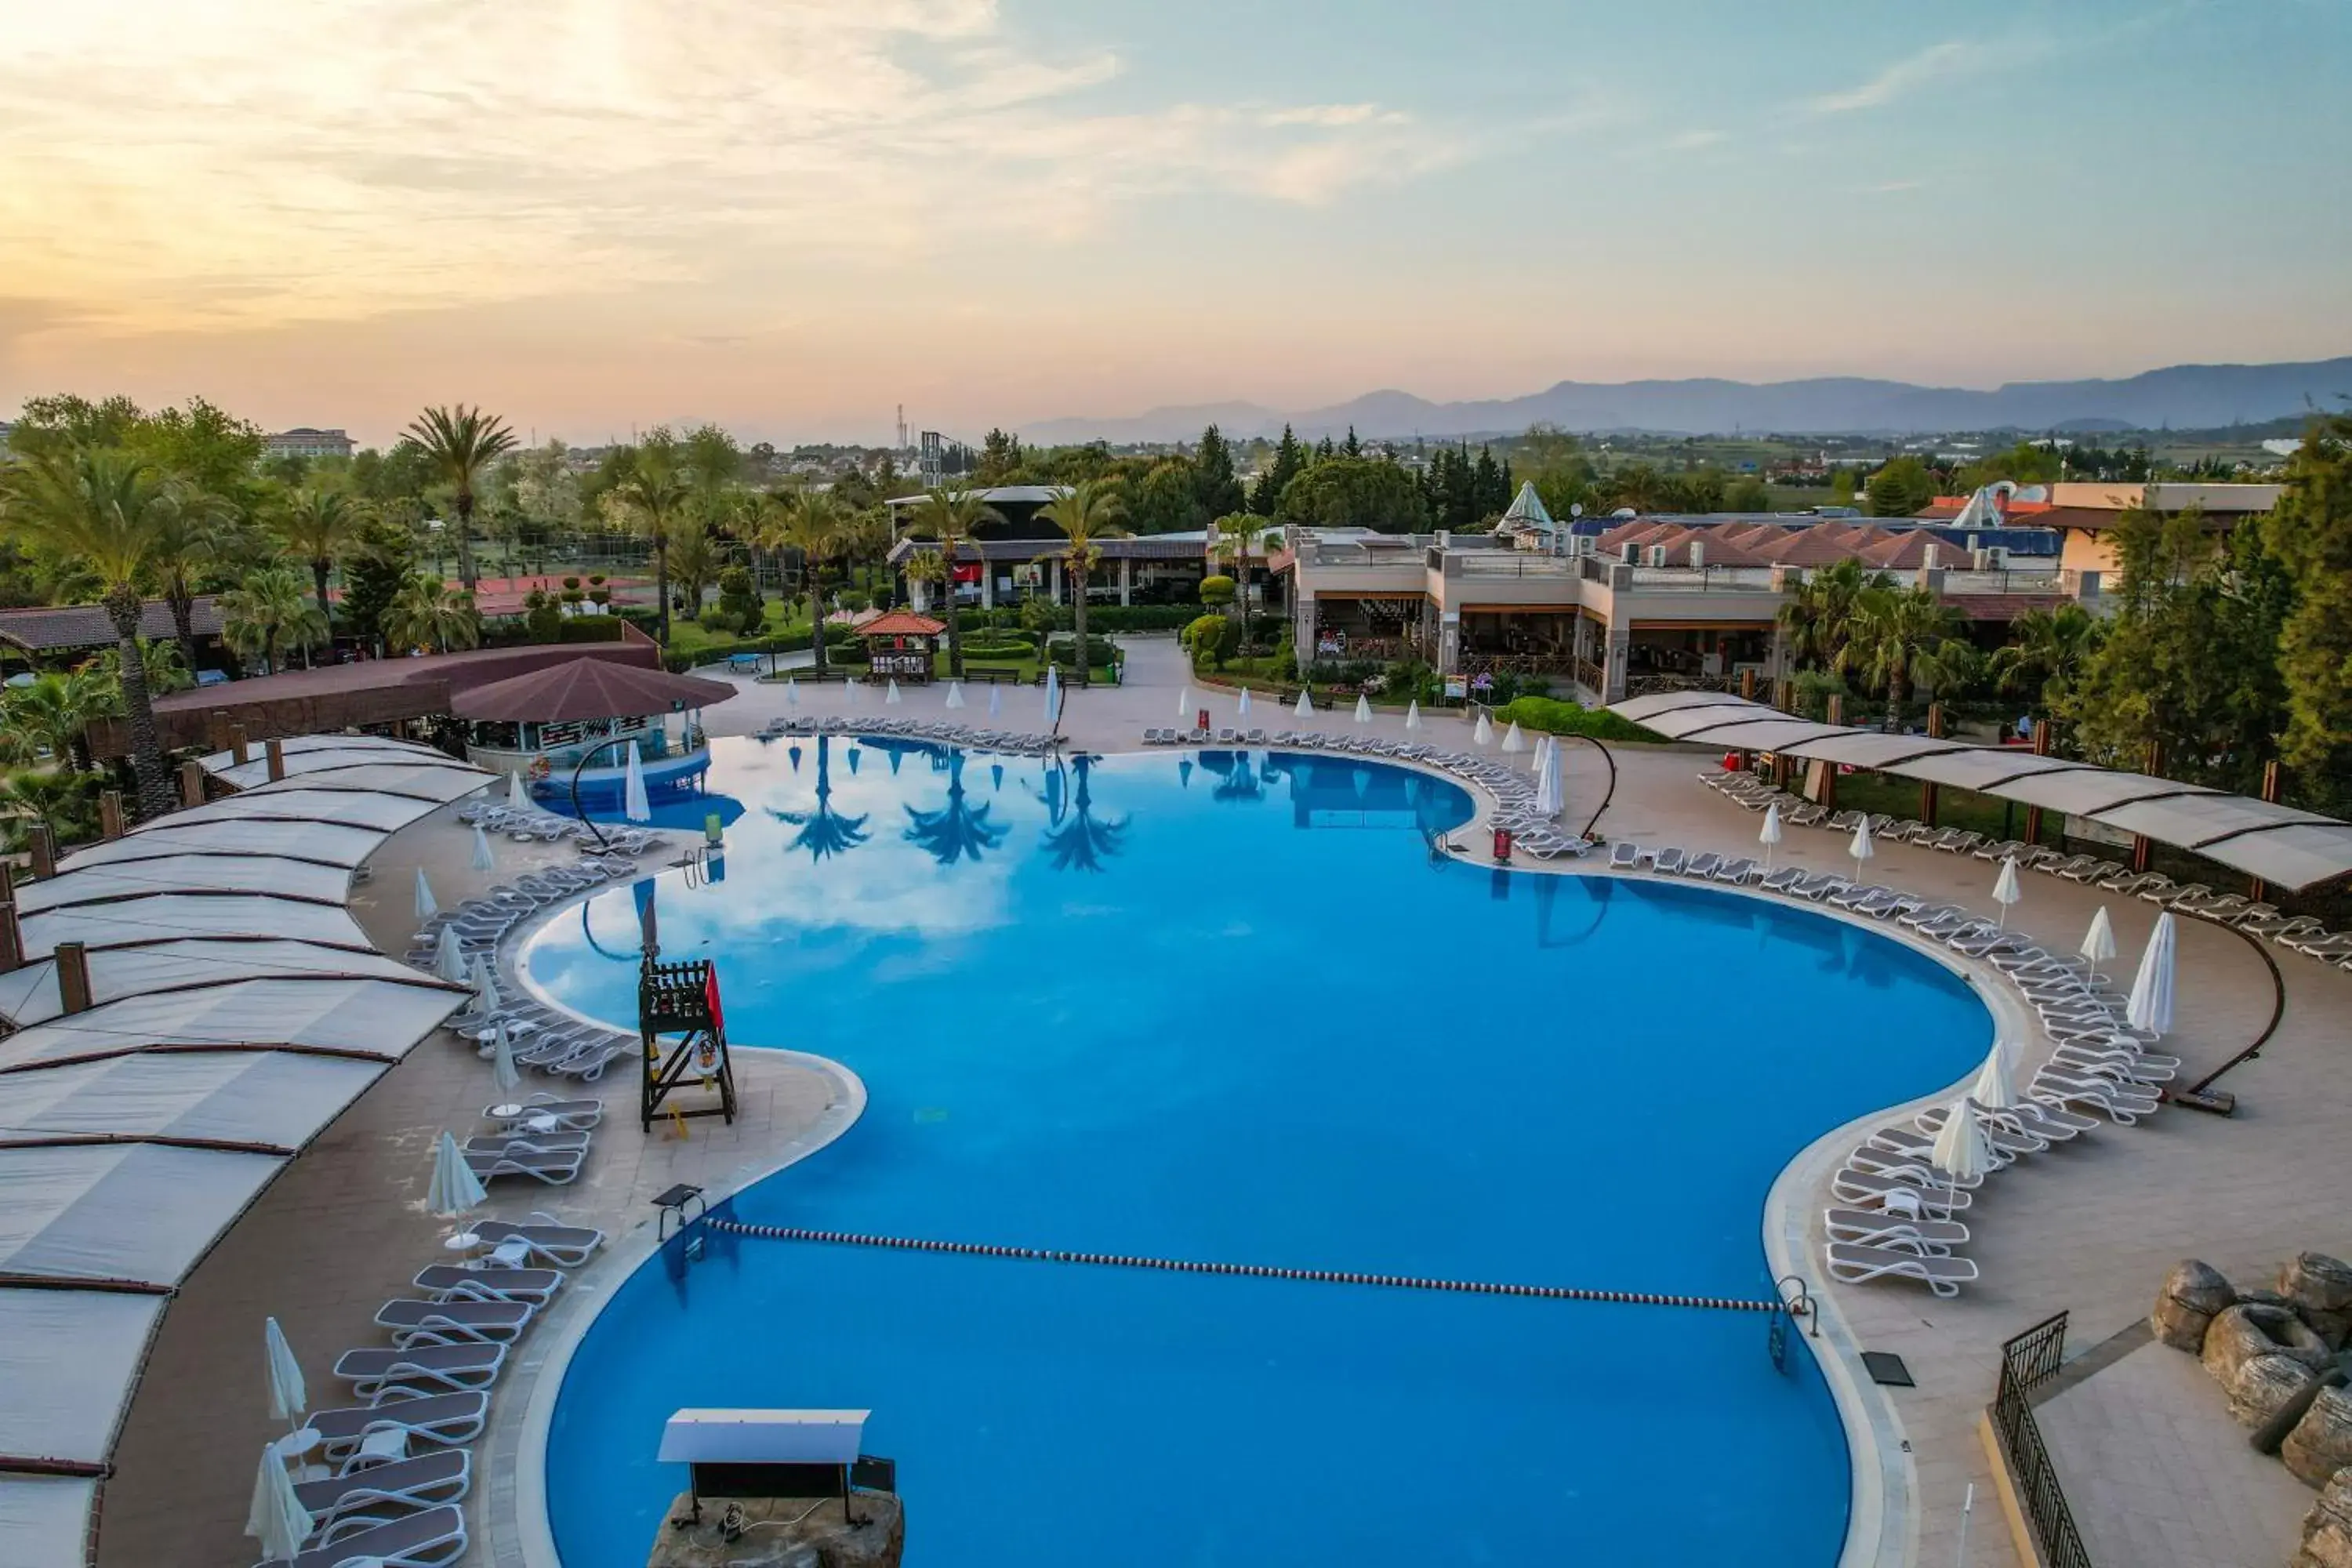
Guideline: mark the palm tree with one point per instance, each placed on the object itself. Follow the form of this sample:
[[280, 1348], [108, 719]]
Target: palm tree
[[1819, 616], [460, 443], [317, 526], [194, 525], [1084, 513], [424, 612], [867, 537], [959, 830], [810, 523], [824, 831], [272, 611], [1905, 638], [948, 515], [657, 492], [1083, 841], [2045, 655], [1234, 537], [53, 712], [109, 515]]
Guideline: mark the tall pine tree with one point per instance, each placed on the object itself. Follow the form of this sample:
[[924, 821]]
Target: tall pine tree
[[1214, 484], [1288, 458], [2311, 535]]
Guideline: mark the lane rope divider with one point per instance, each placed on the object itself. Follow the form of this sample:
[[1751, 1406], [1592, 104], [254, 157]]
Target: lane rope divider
[[1253, 1271]]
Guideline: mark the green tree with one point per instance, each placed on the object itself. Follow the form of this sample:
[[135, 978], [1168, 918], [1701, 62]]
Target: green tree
[[1085, 514], [1216, 489], [694, 561], [109, 514], [808, 524], [374, 572], [1166, 501], [1904, 639], [1289, 462], [271, 612], [2311, 536], [1235, 540], [459, 443], [1818, 618], [194, 532], [427, 614], [2045, 656], [1000, 460], [1555, 463], [319, 526], [946, 517], [1354, 492], [1901, 487], [1749, 495], [652, 500], [53, 712]]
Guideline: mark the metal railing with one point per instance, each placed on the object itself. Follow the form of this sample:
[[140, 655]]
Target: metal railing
[[2027, 1361]]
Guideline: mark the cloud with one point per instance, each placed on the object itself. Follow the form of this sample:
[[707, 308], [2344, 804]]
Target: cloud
[[176, 165], [1694, 140], [1935, 63]]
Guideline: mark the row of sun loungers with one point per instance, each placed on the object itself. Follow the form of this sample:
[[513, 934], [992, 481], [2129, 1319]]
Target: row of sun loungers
[[530, 825], [481, 922], [1007, 741], [394, 1469]]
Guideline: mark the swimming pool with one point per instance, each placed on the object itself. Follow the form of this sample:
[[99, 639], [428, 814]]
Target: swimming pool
[[1231, 1008]]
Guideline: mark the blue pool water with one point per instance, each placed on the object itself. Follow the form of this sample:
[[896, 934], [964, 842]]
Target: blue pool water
[[1228, 1009]]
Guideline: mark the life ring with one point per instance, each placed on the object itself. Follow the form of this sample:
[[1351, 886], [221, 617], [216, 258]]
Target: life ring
[[540, 768]]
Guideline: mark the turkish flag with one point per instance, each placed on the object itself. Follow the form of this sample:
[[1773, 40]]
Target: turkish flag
[[711, 994]]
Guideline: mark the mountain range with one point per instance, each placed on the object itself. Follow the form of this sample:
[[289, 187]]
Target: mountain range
[[2182, 396]]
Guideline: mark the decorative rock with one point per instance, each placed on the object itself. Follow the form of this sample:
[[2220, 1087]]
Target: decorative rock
[[2321, 1443], [786, 1533], [2264, 1382], [2328, 1527], [2250, 1330], [2193, 1292], [2319, 1288]]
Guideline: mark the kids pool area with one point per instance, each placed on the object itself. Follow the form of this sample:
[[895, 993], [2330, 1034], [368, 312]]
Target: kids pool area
[[1236, 1007]]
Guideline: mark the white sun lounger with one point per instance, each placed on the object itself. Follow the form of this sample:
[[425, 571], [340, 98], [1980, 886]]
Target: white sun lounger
[[445, 1420], [2109, 1097], [420, 1370], [424, 1540], [1874, 1227], [359, 1499], [1853, 1265], [1624, 855], [564, 1245], [448, 1282], [556, 1167], [574, 1115], [454, 1322], [1867, 1187]]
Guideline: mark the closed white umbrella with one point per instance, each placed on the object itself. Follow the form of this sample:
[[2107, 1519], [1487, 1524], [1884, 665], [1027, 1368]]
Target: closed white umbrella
[[1862, 849], [1053, 696], [1514, 742], [2150, 1006], [277, 1518], [1960, 1150], [1305, 707], [1412, 714], [891, 696], [503, 1072], [955, 694], [633, 804], [1483, 735], [2098, 942], [1363, 710], [454, 1187], [518, 795], [849, 692], [2005, 890], [1992, 1088], [449, 957], [1551, 780], [288, 1397], [428, 906], [995, 699], [1240, 704], [483, 860], [1183, 702], [486, 985], [1769, 834], [792, 691]]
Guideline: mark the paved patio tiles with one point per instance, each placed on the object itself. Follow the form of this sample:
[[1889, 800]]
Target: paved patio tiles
[[2091, 1226], [2157, 1474]]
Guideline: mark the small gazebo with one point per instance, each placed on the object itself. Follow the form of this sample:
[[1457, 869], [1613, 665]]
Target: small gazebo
[[900, 644], [546, 723]]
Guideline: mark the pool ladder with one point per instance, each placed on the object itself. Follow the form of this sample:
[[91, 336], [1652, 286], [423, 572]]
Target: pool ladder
[[1796, 1302]]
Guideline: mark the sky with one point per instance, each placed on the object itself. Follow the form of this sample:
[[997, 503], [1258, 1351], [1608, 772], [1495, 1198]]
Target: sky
[[791, 215]]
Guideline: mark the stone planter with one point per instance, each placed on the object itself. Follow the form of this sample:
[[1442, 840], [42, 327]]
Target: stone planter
[[2328, 1527], [2193, 1294], [2263, 1385], [2319, 1288], [2252, 1329], [2321, 1444]]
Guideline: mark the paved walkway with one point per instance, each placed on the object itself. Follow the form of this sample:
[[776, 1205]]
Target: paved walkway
[[2157, 1474], [2091, 1226]]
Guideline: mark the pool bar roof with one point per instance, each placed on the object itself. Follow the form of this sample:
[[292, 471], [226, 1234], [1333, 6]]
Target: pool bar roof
[[236, 1010], [2285, 845]]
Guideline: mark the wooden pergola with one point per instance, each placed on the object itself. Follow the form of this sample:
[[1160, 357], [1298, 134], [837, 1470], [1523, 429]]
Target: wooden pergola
[[900, 644]]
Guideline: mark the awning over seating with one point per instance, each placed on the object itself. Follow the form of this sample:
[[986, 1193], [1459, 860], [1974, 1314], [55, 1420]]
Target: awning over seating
[[589, 688], [237, 1010], [2292, 849]]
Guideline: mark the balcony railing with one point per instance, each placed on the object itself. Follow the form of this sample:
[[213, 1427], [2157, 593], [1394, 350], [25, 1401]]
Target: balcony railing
[[2027, 1362], [2045, 582], [1704, 579]]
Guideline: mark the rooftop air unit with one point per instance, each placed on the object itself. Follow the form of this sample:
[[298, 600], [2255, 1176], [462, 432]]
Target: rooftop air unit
[[1656, 554]]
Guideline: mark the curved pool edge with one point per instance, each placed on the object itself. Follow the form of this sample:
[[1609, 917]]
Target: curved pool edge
[[520, 1533]]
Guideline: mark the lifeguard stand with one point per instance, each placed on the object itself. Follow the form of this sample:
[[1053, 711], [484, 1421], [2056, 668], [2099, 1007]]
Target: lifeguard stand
[[797, 1454], [682, 1000]]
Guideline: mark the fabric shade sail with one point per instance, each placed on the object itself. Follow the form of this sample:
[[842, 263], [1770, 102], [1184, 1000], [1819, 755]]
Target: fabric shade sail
[[588, 689], [371, 1017], [2292, 849], [326, 843], [272, 1098], [61, 1352], [29, 994], [168, 917]]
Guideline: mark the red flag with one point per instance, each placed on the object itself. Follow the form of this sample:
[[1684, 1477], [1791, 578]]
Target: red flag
[[711, 994]]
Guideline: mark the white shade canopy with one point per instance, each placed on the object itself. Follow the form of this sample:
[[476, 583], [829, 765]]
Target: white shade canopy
[[1412, 714], [955, 694], [276, 1517], [287, 1396], [502, 1062], [2005, 890], [238, 1010], [1960, 1150], [792, 691], [426, 905], [1242, 703], [518, 795], [454, 1188], [2099, 940], [482, 860], [1860, 846], [1363, 708], [1514, 740], [1770, 833], [995, 699], [1484, 733], [891, 697], [633, 804], [1183, 702], [1994, 1089], [1305, 707]]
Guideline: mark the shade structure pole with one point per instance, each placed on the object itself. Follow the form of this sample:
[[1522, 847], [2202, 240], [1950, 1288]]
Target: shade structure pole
[[580, 767], [2040, 749]]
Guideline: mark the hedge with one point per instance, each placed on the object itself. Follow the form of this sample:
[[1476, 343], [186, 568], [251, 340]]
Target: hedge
[[719, 649], [1555, 718]]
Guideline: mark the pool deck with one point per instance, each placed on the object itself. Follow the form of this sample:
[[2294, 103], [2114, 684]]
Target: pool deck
[[2090, 1226]]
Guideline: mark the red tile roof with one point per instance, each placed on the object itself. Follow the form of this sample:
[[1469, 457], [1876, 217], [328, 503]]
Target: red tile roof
[[52, 629]]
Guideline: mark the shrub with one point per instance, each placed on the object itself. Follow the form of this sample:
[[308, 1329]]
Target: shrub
[[1555, 718], [1212, 639], [1217, 589], [543, 615], [738, 598], [574, 582], [1140, 618], [1098, 652]]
